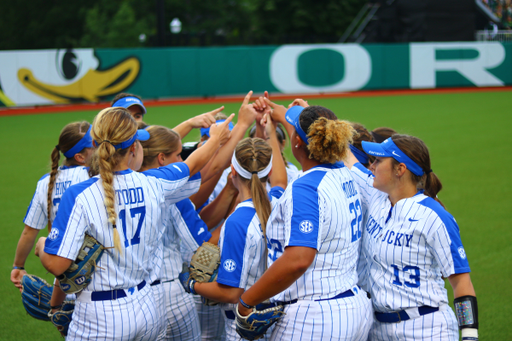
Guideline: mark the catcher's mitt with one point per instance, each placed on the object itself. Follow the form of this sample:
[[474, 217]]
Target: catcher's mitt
[[255, 325], [204, 266], [36, 296], [79, 274], [62, 318]]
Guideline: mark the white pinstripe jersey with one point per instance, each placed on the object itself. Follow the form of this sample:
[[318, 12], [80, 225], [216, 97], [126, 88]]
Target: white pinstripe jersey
[[320, 210], [411, 246], [140, 199], [37, 211], [243, 246], [183, 226]]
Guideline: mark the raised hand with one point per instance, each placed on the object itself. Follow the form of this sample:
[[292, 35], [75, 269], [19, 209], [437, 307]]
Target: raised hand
[[299, 102], [221, 131], [205, 120], [247, 113]]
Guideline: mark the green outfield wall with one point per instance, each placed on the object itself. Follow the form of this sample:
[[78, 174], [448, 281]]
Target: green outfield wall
[[41, 77]]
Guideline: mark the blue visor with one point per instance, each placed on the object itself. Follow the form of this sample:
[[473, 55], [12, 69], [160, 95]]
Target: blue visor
[[388, 148], [127, 102], [360, 156], [292, 117], [141, 135], [85, 142], [206, 131]]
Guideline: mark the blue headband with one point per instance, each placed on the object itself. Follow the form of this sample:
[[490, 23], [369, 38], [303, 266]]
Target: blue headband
[[388, 148], [206, 131], [292, 117], [141, 135], [127, 102], [360, 156], [85, 142]]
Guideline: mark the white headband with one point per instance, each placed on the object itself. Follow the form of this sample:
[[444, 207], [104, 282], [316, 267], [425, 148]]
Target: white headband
[[246, 174]]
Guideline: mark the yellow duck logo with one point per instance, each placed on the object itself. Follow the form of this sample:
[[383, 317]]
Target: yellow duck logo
[[60, 77]]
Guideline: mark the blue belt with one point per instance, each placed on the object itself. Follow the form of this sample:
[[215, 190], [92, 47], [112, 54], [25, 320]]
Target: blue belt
[[348, 293], [398, 316], [114, 294], [160, 282], [230, 315]]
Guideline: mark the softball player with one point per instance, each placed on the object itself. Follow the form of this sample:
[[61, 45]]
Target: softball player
[[132, 103], [122, 210], [413, 243], [75, 143], [313, 237], [242, 241]]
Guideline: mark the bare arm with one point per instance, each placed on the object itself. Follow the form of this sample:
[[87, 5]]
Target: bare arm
[[278, 177], [214, 212], [55, 265], [246, 115], [218, 136], [218, 292], [200, 121], [292, 264], [351, 160], [25, 245], [461, 285]]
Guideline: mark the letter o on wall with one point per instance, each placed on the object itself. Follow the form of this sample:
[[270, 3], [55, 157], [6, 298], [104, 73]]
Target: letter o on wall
[[285, 76]]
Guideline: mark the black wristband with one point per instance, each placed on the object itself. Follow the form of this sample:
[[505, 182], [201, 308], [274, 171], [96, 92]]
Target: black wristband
[[18, 267], [245, 304], [466, 310]]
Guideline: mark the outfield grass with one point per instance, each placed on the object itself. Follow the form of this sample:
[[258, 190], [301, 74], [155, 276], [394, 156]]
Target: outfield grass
[[467, 136]]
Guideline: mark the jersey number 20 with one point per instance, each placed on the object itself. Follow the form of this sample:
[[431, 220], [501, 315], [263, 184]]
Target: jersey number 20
[[133, 212]]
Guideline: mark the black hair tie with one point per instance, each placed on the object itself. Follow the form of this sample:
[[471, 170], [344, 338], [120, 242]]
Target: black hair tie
[[254, 172], [429, 171], [57, 147]]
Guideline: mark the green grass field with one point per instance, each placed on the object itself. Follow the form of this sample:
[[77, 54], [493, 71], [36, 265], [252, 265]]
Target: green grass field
[[466, 134]]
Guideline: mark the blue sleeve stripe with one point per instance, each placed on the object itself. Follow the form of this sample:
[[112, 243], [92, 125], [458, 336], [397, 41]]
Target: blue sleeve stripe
[[174, 171], [233, 246], [66, 207], [305, 222], [193, 221], [276, 192], [460, 261]]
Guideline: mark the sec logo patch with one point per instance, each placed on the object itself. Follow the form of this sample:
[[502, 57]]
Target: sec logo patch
[[306, 226], [462, 252], [229, 265], [54, 233]]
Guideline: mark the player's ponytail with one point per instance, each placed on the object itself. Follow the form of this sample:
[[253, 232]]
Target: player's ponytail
[[70, 135], [254, 155], [111, 126], [417, 151], [328, 138]]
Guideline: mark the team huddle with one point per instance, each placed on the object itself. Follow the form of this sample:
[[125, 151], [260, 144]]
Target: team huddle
[[224, 239]]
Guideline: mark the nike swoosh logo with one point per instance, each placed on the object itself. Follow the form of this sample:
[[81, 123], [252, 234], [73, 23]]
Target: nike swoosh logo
[[178, 168], [412, 220], [395, 154], [201, 230]]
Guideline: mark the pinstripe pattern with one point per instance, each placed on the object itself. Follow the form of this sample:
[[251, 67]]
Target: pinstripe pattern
[[410, 246], [139, 202], [129, 318], [211, 321], [334, 269], [438, 326], [181, 321], [321, 209], [243, 251], [37, 212], [343, 319]]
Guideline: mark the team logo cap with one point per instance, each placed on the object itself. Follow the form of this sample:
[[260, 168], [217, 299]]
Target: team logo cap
[[127, 102], [388, 148]]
